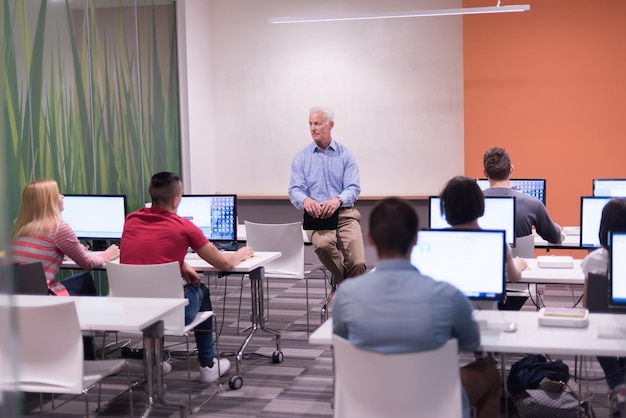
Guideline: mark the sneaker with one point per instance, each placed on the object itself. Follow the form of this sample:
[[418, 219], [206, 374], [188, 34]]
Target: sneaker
[[167, 367], [210, 374]]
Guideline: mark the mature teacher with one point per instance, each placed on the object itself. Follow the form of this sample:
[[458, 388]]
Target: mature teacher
[[325, 183]]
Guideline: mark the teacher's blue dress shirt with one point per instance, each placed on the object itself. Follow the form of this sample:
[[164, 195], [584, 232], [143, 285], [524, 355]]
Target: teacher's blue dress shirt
[[324, 174]]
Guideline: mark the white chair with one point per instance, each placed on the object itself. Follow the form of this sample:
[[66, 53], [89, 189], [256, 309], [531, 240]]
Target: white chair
[[286, 238], [374, 385], [55, 329], [156, 281], [525, 248]]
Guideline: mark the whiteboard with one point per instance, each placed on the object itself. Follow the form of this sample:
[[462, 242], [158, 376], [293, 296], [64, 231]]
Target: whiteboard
[[396, 86]]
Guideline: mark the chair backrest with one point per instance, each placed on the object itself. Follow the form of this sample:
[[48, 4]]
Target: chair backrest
[[30, 279], [286, 238], [524, 247], [149, 281], [597, 295], [422, 384], [50, 347]]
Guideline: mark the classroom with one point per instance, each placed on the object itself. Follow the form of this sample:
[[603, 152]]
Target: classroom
[[99, 97]]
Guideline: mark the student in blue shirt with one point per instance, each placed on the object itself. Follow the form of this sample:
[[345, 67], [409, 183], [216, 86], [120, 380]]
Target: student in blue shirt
[[324, 181], [396, 309]]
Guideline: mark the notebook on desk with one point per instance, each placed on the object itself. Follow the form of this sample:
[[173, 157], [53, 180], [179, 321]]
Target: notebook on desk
[[317, 224]]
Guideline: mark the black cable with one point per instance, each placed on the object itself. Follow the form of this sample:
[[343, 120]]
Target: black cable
[[530, 296], [578, 301]]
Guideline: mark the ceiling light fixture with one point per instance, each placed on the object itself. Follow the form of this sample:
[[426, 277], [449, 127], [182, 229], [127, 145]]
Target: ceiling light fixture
[[413, 13]]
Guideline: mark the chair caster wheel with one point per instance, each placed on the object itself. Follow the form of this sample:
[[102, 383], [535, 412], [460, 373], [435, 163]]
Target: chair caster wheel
[[235, 382], [277, 357]]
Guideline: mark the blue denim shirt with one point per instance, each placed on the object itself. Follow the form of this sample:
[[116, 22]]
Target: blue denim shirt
[[396, 309]]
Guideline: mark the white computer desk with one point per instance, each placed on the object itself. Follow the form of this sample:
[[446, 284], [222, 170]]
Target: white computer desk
[[129, 315], [534, 274], [571, 241], [259, 259], [253, 267], [530, 337]]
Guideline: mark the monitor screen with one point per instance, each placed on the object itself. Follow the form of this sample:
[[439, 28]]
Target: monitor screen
[[609, 187], [471, 260], [590, 215], [95, 216], [618, 268], [483, 183], [532, 187], [215, 215], [499, 214]]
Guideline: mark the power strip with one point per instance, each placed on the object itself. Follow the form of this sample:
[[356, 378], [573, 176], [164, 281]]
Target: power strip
[[555, 261]]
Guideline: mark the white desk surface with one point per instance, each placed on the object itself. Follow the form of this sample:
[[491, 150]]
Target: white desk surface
[[570, 241], [530, 337], [534, 274], [259, 259], [323, 334], [241, 234], [97, 313]]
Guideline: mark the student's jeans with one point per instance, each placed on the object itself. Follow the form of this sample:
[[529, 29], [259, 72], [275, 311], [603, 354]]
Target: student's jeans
[[199, 301], [613, 368], [81, 284]]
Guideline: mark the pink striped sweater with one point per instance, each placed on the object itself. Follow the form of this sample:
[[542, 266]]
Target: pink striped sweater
[[50, 249]]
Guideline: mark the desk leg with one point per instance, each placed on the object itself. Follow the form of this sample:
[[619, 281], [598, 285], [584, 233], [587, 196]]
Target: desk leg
[[258, 322], [153, 356]]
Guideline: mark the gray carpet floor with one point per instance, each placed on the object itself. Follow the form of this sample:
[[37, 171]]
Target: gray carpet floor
[[300, 386]]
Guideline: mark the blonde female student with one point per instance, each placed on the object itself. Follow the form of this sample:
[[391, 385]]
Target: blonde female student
[[39, 234]]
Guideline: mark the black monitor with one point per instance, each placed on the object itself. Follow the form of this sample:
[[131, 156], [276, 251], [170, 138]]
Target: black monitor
[[590, 216], [609, 187], [617, 270], [95, 217], [532, 187], [471, 260], [499, 214], [214, 214]]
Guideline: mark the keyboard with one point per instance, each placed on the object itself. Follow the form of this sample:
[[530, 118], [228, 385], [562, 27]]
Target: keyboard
[[571, 230]]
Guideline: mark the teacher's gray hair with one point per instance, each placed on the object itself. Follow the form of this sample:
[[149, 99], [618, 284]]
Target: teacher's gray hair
[[327, 113]]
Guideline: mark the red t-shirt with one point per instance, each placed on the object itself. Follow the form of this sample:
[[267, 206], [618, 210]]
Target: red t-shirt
[[156, 236]]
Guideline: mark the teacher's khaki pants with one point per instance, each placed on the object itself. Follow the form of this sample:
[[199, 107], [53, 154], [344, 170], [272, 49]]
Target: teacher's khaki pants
[[342, 250]]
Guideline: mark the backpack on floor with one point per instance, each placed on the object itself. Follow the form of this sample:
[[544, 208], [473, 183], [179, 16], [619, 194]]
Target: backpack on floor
[[543, 389]]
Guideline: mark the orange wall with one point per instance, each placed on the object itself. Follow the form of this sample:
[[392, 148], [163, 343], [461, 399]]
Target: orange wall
[[549, 85]]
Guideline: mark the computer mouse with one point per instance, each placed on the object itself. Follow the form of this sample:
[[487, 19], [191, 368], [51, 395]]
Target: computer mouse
[[510, 327]]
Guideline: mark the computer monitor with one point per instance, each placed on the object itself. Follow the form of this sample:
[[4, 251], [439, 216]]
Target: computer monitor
[[617, 270], [215, 215], [532, 187], [97, 217], [471, 260], [609, 187], [590, 216], [499, 214], [483, 183]]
